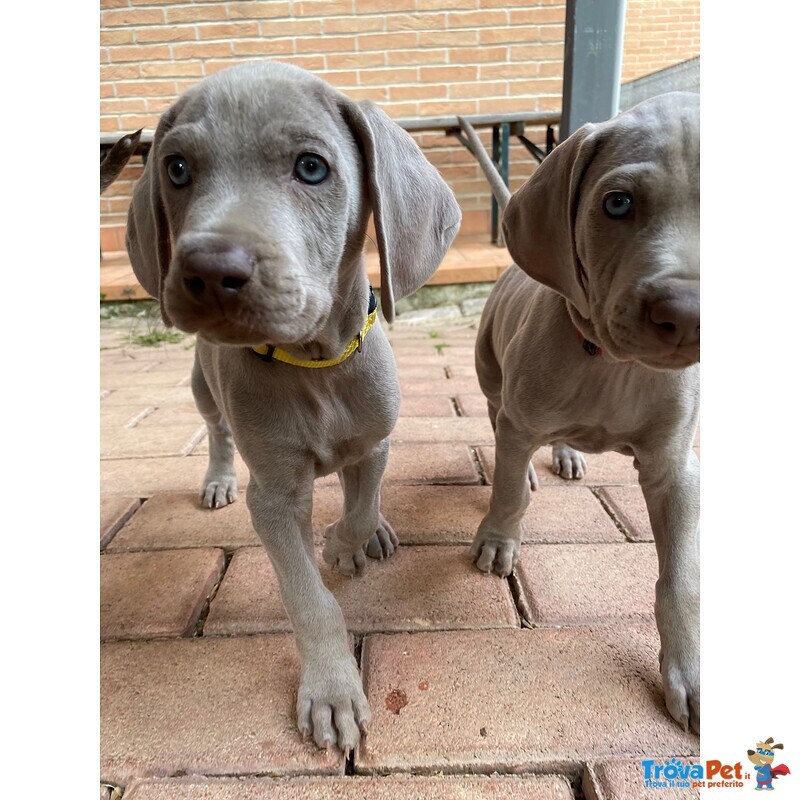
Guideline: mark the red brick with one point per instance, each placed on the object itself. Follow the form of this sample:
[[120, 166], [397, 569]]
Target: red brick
[[138, 442], [568, 584], [114, 513], [434, 405], [628, 505], [436, 429], [431, 463], [148, 595], [203, 706], [418, 588], [259, 10], [473, 405], [132, 16], [543, 700], [621, 779], [389, 787], [142, 477], [450, 387], [601, 469], [171, 521]]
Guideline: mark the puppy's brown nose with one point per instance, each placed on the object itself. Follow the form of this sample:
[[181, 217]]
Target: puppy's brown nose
[[677, 319], [219, 272]]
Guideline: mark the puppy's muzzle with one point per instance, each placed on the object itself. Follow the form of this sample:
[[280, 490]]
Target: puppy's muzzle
[[216, 274], [675, 320]]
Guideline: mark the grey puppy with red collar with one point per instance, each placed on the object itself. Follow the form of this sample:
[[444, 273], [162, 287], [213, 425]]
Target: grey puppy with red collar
[[591, 342]]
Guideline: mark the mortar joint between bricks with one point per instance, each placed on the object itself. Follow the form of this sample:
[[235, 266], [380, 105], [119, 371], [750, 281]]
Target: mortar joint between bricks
[[609, 509], [456, 407], [201, 620], [520, 603], [473, 451]]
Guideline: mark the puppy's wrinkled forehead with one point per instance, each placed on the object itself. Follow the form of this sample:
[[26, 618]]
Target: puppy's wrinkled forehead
[[259, 104], [663, 131]]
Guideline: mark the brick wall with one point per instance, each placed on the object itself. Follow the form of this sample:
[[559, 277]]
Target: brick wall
[[413, 57]]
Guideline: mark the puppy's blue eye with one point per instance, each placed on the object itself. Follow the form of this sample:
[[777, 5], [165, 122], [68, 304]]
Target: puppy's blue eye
[[310, 168], [618, 205], [178, 171]]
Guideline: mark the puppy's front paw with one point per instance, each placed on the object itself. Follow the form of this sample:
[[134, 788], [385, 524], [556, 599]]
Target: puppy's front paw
[[568, 463], [494, 553], [347, 558], [680, 673], [331, 705], [383, 542], [218, 490]]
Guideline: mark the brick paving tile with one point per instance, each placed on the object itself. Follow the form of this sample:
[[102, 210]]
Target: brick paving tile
[[621, 779], [423, 372], [567, 584], [389, 787], [148, 396], [435, 429], [172, 521], [144, 442], [114, 513], [119, 416], [118, 379], [463, 370], [155, 594], [627, 503], [446, 386], [431, 463], [545, 699], [472, 405], [172, 414], [434, 405], [204, 707], [142, 477], [409, 359], [451, 514], [418, 588], [567, 514], [601, 468]]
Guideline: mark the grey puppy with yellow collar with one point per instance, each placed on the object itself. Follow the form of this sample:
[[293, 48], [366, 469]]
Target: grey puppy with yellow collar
[[248, 224], [601, 350]]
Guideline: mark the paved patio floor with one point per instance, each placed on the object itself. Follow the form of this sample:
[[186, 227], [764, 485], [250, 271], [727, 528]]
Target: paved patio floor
[[544, 685]]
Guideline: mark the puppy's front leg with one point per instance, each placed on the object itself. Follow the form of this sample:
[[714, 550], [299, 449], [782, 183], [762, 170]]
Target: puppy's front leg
[[496, 544], [672, 493], [331, 704], [362, 526]]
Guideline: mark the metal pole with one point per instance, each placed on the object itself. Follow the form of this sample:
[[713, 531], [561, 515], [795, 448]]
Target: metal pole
[[592, 62]]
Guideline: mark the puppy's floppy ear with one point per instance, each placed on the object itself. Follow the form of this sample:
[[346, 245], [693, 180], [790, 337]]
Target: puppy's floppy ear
[[147, 237], [539, 222], [416, 215]]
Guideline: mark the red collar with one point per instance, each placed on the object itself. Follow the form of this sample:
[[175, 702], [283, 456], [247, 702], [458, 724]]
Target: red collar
[[590, 347]]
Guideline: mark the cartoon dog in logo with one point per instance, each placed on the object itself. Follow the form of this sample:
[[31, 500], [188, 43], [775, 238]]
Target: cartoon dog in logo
[[762, 757]]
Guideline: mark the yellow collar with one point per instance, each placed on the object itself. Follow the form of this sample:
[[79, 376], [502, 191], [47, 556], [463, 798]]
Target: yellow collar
[[269, 352]]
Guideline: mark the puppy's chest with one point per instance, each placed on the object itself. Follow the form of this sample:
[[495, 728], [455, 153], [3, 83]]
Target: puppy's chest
[[332, 417]]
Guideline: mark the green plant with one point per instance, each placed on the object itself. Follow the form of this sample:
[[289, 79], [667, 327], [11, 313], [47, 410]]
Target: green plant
[[154, 338]]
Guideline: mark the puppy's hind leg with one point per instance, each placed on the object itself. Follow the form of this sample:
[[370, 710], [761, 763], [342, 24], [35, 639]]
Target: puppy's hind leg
[[569, 463], [362, 528], [219, 485]]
